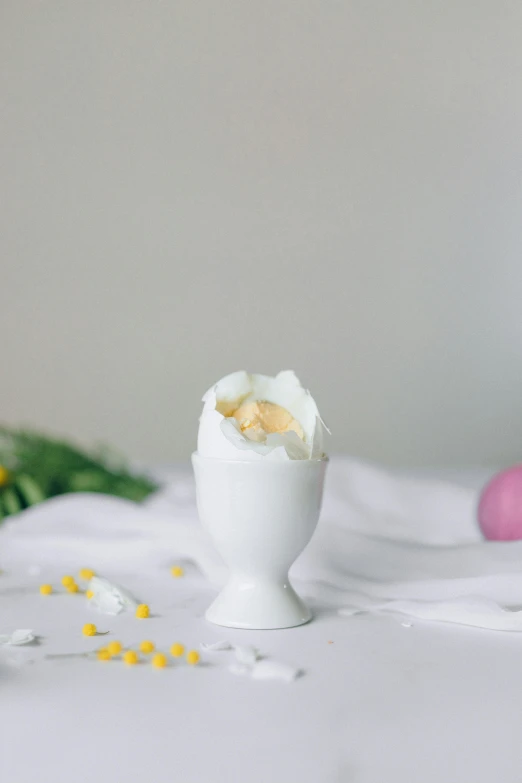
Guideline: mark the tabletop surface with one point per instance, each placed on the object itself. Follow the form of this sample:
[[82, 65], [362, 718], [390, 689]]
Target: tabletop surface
[[380, 698]]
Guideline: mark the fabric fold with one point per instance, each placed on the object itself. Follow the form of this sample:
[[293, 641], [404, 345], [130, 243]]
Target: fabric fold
[[406, 544]]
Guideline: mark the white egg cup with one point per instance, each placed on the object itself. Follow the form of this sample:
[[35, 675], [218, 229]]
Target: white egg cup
[[260, 515]]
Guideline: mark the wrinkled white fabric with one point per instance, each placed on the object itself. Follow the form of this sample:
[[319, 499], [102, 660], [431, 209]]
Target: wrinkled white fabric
[[383, 536]]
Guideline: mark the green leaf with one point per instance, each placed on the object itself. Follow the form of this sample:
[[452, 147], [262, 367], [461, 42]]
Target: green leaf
[[87, 481], [29, 489], [11, 501], [43, 467]]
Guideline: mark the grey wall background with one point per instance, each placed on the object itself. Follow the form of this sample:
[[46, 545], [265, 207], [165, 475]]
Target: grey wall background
[[192, 187]]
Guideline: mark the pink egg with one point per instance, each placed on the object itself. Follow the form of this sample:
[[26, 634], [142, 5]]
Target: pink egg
[[500, 506]]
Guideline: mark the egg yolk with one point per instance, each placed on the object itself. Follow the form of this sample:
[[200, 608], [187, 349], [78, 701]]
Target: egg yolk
[[259, 418]]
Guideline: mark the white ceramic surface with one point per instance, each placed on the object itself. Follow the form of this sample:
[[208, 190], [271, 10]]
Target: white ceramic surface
[[260, 516]]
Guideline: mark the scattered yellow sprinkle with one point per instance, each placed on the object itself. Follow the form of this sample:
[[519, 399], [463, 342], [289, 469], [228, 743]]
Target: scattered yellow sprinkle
[[131, 657], [46, 589], [147, 647], [159, 661], [193, 657], [142, 611], [177, 650], [177, 571], [114, 648], [86, 573], [72, 588], [89, 594], [89, 629], [67, 580], [4, 476], [103, 654]]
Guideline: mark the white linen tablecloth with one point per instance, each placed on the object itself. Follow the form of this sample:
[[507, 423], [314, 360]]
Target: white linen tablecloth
[[385, 696]]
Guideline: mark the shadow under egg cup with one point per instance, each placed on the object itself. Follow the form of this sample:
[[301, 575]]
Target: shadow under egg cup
[[260, 515]]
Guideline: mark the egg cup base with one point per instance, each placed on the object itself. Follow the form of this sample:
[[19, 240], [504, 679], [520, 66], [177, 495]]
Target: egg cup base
[[256, 605]]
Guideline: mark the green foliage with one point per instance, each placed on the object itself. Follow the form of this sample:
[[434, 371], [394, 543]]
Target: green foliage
[[40, 467]]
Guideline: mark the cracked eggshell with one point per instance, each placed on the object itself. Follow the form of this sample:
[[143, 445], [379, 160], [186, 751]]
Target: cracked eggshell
[[220, 437]]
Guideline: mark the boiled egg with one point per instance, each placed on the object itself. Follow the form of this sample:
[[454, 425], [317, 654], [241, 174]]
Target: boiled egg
[[248, 416]]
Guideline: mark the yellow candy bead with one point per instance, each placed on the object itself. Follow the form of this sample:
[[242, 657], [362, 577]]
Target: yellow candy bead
[[46, 589], [4, 476], [103, 654], [159, 661], [72, 588], [142, 611], [89, 594], [89, 629], [114, 648], [87, 574], [176, 571], [193, 657], [131, 657], [177, 650], [67, 581], [147, 647]]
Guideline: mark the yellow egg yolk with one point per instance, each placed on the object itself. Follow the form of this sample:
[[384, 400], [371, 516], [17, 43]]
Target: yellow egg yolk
[[260, 417]]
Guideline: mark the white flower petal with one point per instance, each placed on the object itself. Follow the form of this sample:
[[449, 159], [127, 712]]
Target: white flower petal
[[110, 598], [18, 637]]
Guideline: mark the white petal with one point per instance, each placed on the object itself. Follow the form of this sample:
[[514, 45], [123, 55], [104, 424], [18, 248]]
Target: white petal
[[109, 598], [20, 636]]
